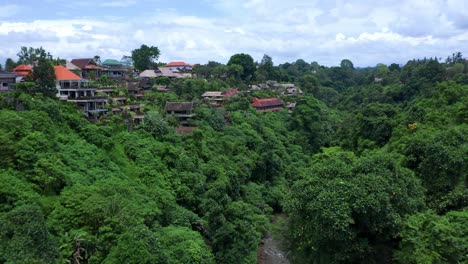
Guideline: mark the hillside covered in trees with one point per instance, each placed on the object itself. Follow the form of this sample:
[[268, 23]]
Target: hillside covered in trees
[[369, 167]]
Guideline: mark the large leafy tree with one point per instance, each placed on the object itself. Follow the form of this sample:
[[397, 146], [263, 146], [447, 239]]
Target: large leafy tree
[[350, 210], [247, 63], [9, 65], [24, 237], [145, 57], [44, 76], [431, 238], [31, 55], [266, 70]]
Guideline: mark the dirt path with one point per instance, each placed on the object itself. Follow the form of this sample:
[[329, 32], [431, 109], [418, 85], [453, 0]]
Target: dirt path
[[270, 251]]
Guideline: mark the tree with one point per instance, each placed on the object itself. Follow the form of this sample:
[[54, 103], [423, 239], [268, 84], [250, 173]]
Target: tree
[[347, 64], [145, 57], [266, 68], [247, 63], [235, 71], [431, 238], [97, 59], [394, 67], [155, 124], [349, 210], [9, 65], [136, 245], [182, 245], [24, 237], [456, 58], [309, 84], [44, 76], [31, 55], [126, 60], [307, 118]]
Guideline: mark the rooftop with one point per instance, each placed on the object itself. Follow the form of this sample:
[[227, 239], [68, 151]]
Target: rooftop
[[231, 92], [4, 74], [179, 106], [63, 74], [178, 64], [212, 94], [22, 69], [267, 102], [82, 63]]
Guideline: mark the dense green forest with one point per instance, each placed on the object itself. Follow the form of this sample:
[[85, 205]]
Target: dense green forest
[[370, 167]]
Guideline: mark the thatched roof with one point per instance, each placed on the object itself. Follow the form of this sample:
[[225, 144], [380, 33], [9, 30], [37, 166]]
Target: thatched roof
[[179, 106]]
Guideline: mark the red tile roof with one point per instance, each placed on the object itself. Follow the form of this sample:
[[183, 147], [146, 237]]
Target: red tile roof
[[22, 69], [178, 64], [63, 74], [231, 92], [267, 102]]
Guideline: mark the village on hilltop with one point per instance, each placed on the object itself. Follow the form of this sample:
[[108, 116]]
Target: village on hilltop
[[114, 88]]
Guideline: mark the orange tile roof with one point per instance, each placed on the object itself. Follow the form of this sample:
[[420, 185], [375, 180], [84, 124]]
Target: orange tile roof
[[63, 74], [22, 69], [177, 63]]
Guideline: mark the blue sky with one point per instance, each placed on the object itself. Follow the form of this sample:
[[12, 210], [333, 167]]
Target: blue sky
[[366, 32]]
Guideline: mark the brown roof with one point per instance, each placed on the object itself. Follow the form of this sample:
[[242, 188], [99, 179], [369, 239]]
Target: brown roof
[[185, 130], [176, 107], [143, 82], [133, 86], [82, 63]]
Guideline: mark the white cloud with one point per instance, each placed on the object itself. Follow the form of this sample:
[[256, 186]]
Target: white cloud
[[368, 32]]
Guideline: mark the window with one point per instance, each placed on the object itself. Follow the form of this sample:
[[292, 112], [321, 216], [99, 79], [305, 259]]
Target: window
[[4, 84]]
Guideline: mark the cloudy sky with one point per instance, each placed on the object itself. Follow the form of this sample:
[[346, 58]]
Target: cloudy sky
[[365, 31]]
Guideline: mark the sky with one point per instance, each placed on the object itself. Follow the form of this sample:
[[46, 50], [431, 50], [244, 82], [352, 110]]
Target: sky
[[367, 32]]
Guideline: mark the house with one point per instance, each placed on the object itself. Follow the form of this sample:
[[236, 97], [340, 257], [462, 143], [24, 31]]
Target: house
[[231, 92], [23, 70], [183, 110], [160, 72], [72, 88], [72, 67], [163, 88], [272, 85], [89, 67], [291, 107], [292, 91], [7, 81], [284, 86], [267, 105], [114, 69], [148, 74], [133, 88], [179, 65], [215, 98], [167, 72]]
